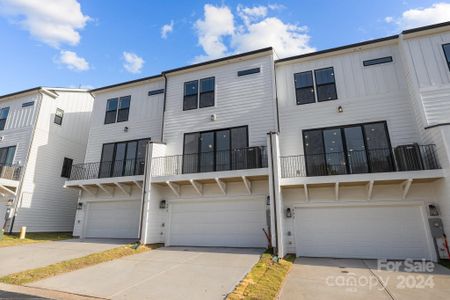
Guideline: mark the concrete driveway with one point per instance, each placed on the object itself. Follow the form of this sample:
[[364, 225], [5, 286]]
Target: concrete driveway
[[164, 273], [327, 278], [29, 256]]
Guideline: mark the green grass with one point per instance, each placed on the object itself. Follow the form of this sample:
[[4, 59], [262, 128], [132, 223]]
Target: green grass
[[445, 263], [28, 276], [264, 280], [33, 237]]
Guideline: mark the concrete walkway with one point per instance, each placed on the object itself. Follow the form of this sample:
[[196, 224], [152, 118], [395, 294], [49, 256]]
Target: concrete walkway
[[29, 256], [164, 273], [327, 278]]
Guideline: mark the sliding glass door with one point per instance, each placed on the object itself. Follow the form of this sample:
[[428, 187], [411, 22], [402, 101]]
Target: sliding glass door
[[352, 149], [216, 150]]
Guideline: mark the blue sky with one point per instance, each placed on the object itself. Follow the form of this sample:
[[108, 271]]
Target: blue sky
[[92, 43]]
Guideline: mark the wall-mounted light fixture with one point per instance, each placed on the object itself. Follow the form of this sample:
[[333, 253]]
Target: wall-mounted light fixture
[[80, 206], [162, 204], [340, 109], [433, 210], [125, 129], [213, 117], [268, 200], [288, 213]]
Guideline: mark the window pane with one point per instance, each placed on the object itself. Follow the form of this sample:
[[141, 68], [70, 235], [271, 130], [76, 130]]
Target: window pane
[[4, 113], [190, 155], [239, 144], [324, 76], [130, 161], [207, 99], [222, 150], [207, 85], [124, 102], [106, 161], [118, 165], [110, 117], [111, 104], [303, 79], [207, 151], [191, 88], [326, 92], [304, 87], [122, 115], [140, 157], [378, 148], [10, 155], [305, 96], [2, 124], [334, 152], [356, 151], [446, 48], [58, 116], [314, 153], [190, 102], [3, 156]]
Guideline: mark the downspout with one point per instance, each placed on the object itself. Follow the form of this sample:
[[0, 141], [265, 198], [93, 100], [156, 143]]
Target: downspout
[[22, 173], [274, 200], [276, 96], [144, 191], [164, 107]]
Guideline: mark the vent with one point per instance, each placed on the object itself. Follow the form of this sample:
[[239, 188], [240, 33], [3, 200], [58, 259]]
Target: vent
[[249, 71], [377, 61], [26, 104], [155, 92]]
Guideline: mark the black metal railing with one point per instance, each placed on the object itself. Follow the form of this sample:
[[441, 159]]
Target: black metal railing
[[411, 157], [11, 172], [236, 159], [107, 169]]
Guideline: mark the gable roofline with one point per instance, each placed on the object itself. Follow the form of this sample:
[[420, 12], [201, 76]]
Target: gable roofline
[[107, 87], [222, 59], [364, 43], [21, 92]]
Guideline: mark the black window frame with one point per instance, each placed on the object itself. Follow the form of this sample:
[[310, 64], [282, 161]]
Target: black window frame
[[310, 87], [123, 109], [341, 128], [3, 120], [58, 119], [111, 168], [198, 153], [186, 107], [248, 72], [318, 86], [66, 167], [447, 54], [201, 92], [110, 111], [378, 61], [118, 110]]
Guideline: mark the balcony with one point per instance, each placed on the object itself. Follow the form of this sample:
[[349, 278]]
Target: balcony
[[403, 158]]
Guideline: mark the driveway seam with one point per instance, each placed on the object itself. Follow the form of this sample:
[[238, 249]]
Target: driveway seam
[[379, 280]]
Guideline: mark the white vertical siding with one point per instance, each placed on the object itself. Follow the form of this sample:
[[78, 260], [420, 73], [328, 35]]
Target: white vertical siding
[[246, 100], [48, 206], [144, 120], [373, 93]]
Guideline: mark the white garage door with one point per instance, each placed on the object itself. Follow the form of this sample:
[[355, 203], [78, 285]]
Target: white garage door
[[394, 232], [230, 223], [118, 219]]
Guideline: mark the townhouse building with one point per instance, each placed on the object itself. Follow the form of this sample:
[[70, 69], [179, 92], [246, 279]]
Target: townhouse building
[[337, 153], [42, 131]]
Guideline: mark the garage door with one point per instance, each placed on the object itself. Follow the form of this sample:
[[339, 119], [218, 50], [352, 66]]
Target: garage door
[[118, 219], [230, 223], [394, 232]]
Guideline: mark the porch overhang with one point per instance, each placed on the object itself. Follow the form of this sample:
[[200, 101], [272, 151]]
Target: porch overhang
[[8, 187], [107, 185]]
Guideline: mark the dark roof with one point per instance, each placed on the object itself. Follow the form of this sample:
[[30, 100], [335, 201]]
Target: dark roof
[[125, 83], [21, 92], [412, 30], [392, 37], [219, 60]]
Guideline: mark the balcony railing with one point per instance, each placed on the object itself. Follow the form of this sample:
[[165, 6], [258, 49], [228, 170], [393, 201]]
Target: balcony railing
[[107, 169], [403, 158], [11, 172], [214, 161]]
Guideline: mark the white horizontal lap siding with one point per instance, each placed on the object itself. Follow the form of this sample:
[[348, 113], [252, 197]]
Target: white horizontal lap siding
[[245, 100], [430, 74], [19, 124], [47, 206], [144, 120], [373, 93]]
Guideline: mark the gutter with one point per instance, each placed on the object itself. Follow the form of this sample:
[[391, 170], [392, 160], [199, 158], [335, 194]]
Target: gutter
[[22, 175]]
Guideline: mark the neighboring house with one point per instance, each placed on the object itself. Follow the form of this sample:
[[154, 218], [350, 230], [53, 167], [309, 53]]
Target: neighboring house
[[42, 130], [337, 153]]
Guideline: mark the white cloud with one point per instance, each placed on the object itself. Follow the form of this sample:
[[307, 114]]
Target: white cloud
[[217, 23], [72, 61], [220, 33], [54, 22], [436, 13], [133, 63], [166, 29]]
